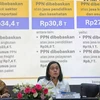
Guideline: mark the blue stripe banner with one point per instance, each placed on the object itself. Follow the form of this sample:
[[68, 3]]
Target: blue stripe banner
[[88, 22], [52, 23], [14, 23]]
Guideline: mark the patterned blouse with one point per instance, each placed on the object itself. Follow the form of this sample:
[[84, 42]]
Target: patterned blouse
[[3, 88]]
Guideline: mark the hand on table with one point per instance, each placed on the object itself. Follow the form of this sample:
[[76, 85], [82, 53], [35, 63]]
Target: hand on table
[[5, 95]]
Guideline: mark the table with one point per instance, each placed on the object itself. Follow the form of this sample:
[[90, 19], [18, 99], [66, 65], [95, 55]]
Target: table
[[55, 99]]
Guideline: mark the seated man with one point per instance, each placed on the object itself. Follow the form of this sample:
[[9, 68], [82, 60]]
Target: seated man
[[4, 92]]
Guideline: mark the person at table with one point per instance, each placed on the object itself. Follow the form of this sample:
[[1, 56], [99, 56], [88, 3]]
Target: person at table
[[54, 78], [4, 92]]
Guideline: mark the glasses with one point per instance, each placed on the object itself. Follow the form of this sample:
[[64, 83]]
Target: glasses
[[53, 68]]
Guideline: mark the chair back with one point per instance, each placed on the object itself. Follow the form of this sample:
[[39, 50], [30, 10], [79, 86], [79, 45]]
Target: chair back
[[40, 77], [89, 90]]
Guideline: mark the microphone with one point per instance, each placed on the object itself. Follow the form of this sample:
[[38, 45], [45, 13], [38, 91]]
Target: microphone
[[51, 79]]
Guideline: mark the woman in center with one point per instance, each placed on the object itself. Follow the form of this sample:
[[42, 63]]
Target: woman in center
[[54, 79]]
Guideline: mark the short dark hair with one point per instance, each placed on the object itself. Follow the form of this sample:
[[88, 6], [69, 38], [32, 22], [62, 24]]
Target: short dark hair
[[60, 77]]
